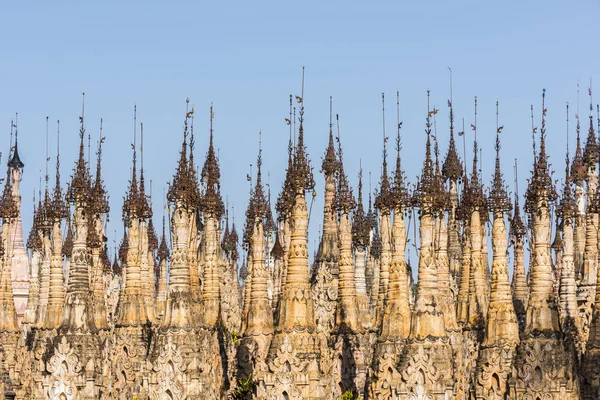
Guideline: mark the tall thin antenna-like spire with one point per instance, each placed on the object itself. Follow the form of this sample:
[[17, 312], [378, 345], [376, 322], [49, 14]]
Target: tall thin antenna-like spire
[[533, 131], [142, 147], [47, 177], [567, 128], [450, 69], [134, 136]]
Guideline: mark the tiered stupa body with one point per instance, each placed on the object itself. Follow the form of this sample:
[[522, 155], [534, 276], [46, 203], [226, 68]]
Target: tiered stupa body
[[501, 336], [427, 366], [297, 363], [544, 365], [325, 275], [17, 253]]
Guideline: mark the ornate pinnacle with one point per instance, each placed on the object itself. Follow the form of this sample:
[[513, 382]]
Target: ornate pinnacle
[[498, 200], [277, 251], [578, 171], [286, 197], [371, 215], [116, 268], [184, 189], [99, 196], [58, 209], [567, 207], [67, 248], [400, 192], [163, 249], [517, 227], [427, 196], [270, 223], [233, 243], [464, 207], [384, 199], [145, 210], [344, 200], [132, 203], [302, 175], [93, 240], [590, 154], [330, 162], [152, 238], [540, 187], [211, 202], [285, 200], [123, 247], [476, 198], [452, 168], [224, 241], [34, 241], [8, 206], [80, 186], [14, 160], [360, 224], [106, 265], [257, 207]]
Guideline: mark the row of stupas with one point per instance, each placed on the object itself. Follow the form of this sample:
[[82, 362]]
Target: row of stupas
[[186, 318]]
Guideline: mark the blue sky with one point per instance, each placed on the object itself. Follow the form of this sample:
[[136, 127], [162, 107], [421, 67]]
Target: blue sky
[[246, 58]]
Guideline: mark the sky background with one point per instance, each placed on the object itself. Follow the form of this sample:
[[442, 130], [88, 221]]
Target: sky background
[[247, 58]]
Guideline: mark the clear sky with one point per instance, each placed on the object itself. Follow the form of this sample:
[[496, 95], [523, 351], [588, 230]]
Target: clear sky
[[246, 58]]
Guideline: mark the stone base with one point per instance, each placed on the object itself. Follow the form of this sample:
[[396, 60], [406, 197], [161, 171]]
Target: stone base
[[545, 368]]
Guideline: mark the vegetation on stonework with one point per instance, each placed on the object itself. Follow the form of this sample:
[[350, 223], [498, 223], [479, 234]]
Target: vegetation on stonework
[[245, 389], [348, 395]]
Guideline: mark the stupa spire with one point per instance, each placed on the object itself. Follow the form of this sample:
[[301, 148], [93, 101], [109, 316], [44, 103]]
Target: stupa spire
[[428, 318], [260, 315], [502, 327], [396, 315], [346, 318]]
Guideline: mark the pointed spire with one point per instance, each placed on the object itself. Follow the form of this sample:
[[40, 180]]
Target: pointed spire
[[257, 207], [384, 199], [399, 190], [344, 200], [517, 227], [67, 248], [14, 160], [123, 249], [145, 209], [99, 197], [34, 242], [452, 168], [116, 268], [8, 206], [80, 186], [163, 248], [360, 226], [329, 165], [233, 242], [476, 197], [302, 175], [133, 203], [184, 188], [567, 207], [286, 197], [498, 199], [211, 202], [426, 196], [590, 154], [59, 208], [540, 187], [225, 241], [270, 223], [578, 170], [152, 237]]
